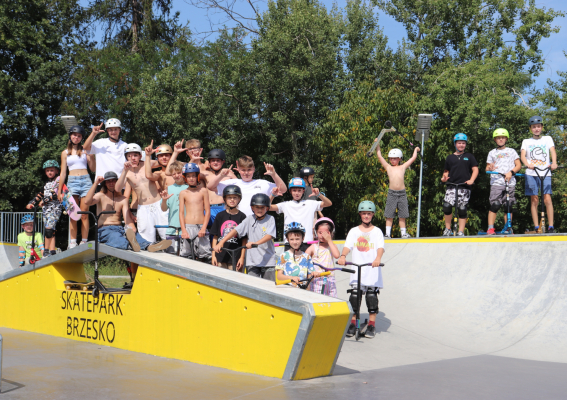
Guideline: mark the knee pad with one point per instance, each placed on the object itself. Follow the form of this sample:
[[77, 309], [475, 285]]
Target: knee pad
[[494, 207], [372, 300], [354, 299], [462, 211], [49, 233], [447, 208]]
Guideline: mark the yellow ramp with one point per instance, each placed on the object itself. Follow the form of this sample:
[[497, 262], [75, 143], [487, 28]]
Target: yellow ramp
[[182, 309]]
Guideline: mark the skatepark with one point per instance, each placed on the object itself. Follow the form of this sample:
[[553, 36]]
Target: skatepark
[[459, 318]]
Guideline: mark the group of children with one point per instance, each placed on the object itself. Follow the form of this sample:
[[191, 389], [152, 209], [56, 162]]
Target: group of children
[[461, 171]]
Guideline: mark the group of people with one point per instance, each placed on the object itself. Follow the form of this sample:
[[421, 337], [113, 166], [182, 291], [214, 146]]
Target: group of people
[[211, 209]]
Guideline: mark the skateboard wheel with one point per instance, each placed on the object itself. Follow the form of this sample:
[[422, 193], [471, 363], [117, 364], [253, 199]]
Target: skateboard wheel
[[68, 287]]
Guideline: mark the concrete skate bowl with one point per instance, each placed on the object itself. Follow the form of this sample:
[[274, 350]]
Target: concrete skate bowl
[[8, 257], [452, 298]]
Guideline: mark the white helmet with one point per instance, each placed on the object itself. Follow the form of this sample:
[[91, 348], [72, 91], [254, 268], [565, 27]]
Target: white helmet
[[395, 153], [133, 148], [113, 123]]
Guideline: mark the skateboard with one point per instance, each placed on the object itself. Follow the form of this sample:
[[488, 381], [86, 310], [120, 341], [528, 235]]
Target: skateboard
[[70, 204], [82, 286]]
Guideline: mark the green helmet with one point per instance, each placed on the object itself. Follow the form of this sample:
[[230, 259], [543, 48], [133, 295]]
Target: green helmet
[[367, 205], [500, 132], [50, 163]]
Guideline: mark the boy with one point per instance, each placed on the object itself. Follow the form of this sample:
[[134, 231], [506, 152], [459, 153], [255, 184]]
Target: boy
[[25, 240], [249, 186], [397, 197], [110, 231], [109, 151], [261, 230], [170, 202], [460, 167], [308, 175], [194, 213], [52, 207], [506, 161], [294, 264], [367, 245], [300, 210], [149, 212], [163, 154], [225, 223], [535, 153]]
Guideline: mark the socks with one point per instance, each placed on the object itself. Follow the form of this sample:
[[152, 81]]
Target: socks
[[353, 321], [550, 227], [388, 230], [84, 241], [372, 323], [403, 230], [73, 240], [490, 226], [536, 228]]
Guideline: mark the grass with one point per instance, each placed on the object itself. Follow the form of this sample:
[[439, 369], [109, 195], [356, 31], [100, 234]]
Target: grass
[[108, 266]]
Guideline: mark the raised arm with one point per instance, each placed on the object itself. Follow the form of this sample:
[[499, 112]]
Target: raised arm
[[177, 149], [91, 198], [271, 171], [122, 179], [89, 142], [214, 180], [152, 176], [413, 158]]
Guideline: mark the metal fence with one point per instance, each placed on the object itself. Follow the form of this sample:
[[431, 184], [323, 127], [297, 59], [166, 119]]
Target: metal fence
[[10, 225]]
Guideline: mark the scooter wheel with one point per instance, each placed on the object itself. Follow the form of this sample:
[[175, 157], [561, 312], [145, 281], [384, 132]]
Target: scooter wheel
[[357, 335], [95, 292]]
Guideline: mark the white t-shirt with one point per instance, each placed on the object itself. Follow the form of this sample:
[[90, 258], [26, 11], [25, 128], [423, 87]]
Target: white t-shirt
[[109, 156], [249, 189], [537, 152], [302, 212], [364, 248], [503, 161]]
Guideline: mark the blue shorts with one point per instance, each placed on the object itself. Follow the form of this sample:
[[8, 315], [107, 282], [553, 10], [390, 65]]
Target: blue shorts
[[533, 184], [115, 236], [215, 209], [79, 185]]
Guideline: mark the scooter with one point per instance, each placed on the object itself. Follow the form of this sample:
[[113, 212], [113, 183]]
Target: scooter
[[350, 271], [541, 179], [303, 283], [232, 252], [33, 254]]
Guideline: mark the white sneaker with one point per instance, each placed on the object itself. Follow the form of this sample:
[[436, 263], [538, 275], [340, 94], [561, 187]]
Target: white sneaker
[[84, 241], [406, 236], [460, 234], [72, 245], [447, 232], [387, 237]]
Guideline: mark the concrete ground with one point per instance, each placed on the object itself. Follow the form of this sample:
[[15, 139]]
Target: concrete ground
[[459, 319]]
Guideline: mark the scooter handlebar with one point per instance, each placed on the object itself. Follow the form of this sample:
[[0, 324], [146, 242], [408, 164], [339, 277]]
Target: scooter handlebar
[[499, 173], [108, 212], [362, 265], [350, 271]]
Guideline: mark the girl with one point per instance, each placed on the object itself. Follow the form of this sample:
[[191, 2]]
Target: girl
[[294, 264], [79, 181], [324, 252]]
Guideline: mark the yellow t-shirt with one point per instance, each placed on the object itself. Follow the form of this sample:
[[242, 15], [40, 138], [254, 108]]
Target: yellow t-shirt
[[25, 241]]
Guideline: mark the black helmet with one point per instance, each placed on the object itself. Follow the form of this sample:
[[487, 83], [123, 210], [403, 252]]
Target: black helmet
[[217, 153], [110, 175], [260, 199], [77, 129], [306, 171], [535, 120], [231, 190]]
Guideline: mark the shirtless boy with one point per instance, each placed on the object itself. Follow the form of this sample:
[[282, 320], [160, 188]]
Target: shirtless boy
[[397, 198], [163, 154], [195, 212], [110, 231], [149, 200]]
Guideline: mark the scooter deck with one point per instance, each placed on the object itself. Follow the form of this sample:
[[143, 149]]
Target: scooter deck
[[82, 286]]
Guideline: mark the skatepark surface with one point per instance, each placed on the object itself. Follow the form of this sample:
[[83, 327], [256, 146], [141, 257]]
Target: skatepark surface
[[459, 318]]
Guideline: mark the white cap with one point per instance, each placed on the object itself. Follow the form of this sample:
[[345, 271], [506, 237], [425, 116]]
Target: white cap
[[133, 148], [395, 153], [113, 123]]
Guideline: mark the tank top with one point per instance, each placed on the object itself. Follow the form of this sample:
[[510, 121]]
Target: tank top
[[324, 257], [76, 162]]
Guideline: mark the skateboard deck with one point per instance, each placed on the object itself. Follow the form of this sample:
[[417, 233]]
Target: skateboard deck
[[70, 204], [82, 286]]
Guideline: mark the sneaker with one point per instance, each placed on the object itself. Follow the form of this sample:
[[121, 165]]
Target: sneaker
[[72, 245], [370, 332], [551, 230], [84, 242], [490, 231], [406, 236], [157, 246], [351, 330], [447, 232], [387, 237], [46, 253], [131, 236], [460, 234]]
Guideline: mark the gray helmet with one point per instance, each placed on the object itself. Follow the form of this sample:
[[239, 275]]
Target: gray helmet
[[110, 175], [535, 120], [217, 153], [231, 190], [367, 205], [260, 199]]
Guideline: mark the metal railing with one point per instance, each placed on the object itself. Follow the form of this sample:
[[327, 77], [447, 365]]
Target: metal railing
[[10, 226]]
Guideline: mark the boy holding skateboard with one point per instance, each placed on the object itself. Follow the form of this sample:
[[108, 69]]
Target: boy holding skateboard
[[397, 197], [25, 240], [367, 245], [536, 152], [506, 161], [460, 167], [194, 213]]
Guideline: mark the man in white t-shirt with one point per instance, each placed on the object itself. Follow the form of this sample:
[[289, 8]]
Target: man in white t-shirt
[[109, 151], [536, 153], [298, 210], [367, 245], [249, 186]]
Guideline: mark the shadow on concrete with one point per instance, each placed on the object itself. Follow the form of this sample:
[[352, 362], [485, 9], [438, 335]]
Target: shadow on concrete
[[10, 386], [382, 323], [339, 370]]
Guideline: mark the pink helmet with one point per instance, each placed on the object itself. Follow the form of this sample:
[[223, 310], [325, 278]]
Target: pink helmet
[[320, 221]]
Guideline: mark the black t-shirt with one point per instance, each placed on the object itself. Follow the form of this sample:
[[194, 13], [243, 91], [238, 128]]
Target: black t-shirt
[[460, 168], [224, 223]]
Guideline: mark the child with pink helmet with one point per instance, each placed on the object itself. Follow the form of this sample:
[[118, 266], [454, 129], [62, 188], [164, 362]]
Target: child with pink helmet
[[324, 252]]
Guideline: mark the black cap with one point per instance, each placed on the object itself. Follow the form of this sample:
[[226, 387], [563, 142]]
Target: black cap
[[217, 153], [260, 199]]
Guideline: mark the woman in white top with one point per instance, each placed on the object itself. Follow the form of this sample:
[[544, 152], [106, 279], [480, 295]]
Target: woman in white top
[[76, 159]]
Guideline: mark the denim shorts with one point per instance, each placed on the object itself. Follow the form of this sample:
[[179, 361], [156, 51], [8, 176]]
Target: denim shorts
[[79, 185], [533, 185]]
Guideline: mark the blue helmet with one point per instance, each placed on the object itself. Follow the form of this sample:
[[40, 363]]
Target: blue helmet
[[191, 167], [296, 183], [26, 218], [536, 119], [460, 136], [294, 227], [366, 205]]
